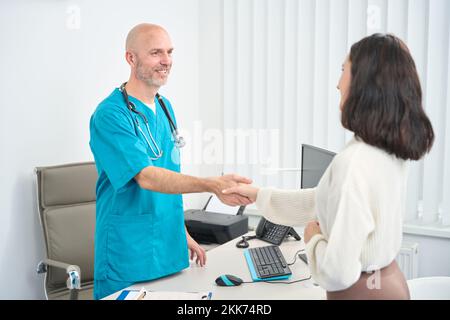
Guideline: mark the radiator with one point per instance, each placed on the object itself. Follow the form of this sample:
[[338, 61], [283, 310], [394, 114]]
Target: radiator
[[408, 259]]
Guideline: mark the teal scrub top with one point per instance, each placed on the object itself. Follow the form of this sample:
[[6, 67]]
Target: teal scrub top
[[140, 234]]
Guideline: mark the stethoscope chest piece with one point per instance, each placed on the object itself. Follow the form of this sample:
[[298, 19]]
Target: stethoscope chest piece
[[179, 141]]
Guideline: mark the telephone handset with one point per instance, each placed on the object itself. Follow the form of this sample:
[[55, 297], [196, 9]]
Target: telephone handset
[[274, 233]]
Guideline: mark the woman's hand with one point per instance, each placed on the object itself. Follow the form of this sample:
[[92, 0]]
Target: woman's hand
[[244, 190], [312, 228], [229, 181]]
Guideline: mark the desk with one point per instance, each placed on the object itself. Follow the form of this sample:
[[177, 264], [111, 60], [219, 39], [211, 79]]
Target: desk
[[228, 259]]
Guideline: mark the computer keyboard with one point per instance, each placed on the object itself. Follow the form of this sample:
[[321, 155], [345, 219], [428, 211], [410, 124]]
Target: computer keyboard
[[268, 262]]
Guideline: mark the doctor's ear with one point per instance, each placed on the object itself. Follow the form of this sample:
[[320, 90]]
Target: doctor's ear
[[130, 57]]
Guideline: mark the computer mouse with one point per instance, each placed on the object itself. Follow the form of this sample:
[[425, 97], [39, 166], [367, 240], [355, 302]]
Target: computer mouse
[[228, 280]]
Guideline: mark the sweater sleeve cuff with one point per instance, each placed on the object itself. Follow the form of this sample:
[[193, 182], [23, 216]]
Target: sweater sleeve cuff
[[311, 253], [263, 198], [312, 243]]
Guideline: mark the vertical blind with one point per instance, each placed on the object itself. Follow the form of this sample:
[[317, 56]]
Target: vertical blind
[[281, 64]]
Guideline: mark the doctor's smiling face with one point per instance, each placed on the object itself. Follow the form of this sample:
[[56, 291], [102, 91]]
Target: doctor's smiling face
[[344, 81], [149, 53]]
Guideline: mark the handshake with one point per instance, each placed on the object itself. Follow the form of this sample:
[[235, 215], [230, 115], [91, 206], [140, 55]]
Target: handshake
[[234, 190]]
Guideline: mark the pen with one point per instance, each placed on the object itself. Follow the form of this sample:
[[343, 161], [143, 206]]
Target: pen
[[142, 295]]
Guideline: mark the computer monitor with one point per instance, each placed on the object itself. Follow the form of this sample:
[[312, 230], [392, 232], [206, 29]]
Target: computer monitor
[[314, 163]]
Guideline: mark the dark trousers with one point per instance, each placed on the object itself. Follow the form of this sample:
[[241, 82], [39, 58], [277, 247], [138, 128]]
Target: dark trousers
[[388, 283]]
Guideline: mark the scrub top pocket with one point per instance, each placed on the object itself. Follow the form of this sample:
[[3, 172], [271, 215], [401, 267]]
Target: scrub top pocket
[[130, 247]]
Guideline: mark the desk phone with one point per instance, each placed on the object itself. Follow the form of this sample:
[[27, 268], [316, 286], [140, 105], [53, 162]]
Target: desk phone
[[274, 233]]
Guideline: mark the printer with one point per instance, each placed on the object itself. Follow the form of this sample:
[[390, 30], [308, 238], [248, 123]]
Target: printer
[[215, 227]]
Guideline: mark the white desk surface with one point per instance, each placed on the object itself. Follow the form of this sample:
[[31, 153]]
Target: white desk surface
[[228, 259]]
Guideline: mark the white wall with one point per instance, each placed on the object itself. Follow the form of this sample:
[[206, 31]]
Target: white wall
[[52, 77], [433, 253]]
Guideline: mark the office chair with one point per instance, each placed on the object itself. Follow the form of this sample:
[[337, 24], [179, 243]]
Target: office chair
[[66, 201], [429, 288]]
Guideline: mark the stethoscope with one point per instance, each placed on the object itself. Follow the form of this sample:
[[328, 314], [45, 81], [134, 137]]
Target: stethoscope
[[178, 140]]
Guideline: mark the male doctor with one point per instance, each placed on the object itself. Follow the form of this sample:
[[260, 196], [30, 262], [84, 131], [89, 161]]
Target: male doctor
[[140, 233]]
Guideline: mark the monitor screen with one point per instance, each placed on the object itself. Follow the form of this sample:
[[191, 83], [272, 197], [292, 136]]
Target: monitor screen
[[314, 163]]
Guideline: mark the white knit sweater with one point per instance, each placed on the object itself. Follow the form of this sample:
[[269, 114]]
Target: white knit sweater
[[359, 203]]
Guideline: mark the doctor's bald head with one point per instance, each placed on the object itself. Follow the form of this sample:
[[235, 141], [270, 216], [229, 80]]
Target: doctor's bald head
[[149, 53], [142, 33]]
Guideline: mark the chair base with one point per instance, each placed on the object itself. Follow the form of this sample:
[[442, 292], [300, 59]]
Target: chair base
[[86, 293]]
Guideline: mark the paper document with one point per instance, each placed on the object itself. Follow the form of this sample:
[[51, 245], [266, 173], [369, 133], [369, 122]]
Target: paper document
[[144, 294], [215, 205]]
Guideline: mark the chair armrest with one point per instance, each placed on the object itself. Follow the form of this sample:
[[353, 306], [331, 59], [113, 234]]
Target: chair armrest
[[74, 279]]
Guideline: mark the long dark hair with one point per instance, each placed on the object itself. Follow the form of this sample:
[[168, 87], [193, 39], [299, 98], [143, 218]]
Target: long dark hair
[[384, 103]]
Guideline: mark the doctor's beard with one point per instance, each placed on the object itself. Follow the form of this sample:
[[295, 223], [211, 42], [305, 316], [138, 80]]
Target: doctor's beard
[[153, 76]]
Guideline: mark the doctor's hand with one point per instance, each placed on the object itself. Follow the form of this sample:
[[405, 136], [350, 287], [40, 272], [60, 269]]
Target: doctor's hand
[[311, 229], [196, 251], [245, 190], [228, 181]]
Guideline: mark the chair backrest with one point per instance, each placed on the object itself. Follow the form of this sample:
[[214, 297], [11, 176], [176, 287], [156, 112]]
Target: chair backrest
[[429, 288], [66, 198]]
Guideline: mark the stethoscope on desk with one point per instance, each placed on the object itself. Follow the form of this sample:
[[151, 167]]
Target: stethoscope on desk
[[178, 140]]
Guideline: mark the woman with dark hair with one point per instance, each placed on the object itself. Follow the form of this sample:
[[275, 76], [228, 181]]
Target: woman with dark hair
[[354, 216]]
